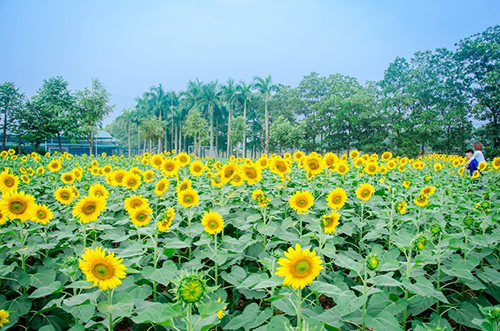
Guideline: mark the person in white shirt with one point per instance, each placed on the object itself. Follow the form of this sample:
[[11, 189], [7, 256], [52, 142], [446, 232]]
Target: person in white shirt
[[478, 154]]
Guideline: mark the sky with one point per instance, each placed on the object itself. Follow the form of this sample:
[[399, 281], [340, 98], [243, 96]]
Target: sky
[[132, 45]]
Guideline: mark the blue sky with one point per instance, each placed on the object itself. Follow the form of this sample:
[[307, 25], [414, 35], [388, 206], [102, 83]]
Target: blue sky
[[132, 45]]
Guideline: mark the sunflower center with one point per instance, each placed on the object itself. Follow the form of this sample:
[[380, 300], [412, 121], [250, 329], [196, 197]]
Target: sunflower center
[[183, 187], [313, 165], [212, 224], [169, 167], [9, 182], [302, 202], [337, 199], [103, 271], [365, 193], [141, 217], [197, 169], [302, 267], [65, 195], [328, 221], [18, 207], [131, 182], [41, 214], [188, 199], [251, 174], [88, 208]]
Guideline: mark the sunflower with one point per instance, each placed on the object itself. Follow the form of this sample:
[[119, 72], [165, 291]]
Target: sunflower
[[476, 174], [40, 171], [132, 181], [169, 168], [313, 164], [156, 160], [42, 214], [481, 166], [54, 165], [191, 289], [461, 171], [301, 201], [183, 159], [99, 191], [68, 177], [64, 195], [107, 169], [365, 191], [3, 218], [4, 317], [141, 216], [496, 163], [279, 166], [428, 190], [88, 209], [161, 187], [300, 267], [252, 173], [196, 168], [17, 205], [329, 160], [8, 182], [78, 172], [134, 202], [263, 162], [371, 168], [330, 222], [342, 168], [298, 155], [104, 270], [237, 180], [188, 198], [228, 172], [186, 184], [386, 156], [118, 176], [422, 200], [337, 198], [220, 313], [213, 222], [148, 176], [401, 206], [166, 220]]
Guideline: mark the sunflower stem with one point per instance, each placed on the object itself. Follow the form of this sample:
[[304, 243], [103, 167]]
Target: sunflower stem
[[189, 326], [22, 239], [155, 261], [110, 316], [84, 227], [216, 270], [299, 312]]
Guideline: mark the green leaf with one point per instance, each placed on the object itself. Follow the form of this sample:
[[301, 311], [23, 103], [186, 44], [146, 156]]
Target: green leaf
[[81, 298], [43, 278], [385, 280], [465, 314], [123, 307], [47, 290], [248, 317], [83, 312], [383, 322], [346, 262], [164, 275], [158, 313], [210, 308], [332, 318], [424, 287], [235, 277]]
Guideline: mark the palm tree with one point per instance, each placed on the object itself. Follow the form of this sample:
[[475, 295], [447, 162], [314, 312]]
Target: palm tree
[[244, 95], [229, 94], [140, 112], [210, 100], [265, 87], [127, 116], [159, 103]]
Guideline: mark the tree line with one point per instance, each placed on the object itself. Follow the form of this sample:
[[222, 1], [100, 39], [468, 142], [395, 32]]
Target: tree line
[[436, 101], [53, 112]]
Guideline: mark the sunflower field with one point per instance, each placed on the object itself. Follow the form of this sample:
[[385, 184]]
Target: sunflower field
[[301, 242]]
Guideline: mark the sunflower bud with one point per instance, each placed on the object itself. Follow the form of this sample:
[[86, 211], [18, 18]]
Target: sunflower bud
[[468, 221], [372, 261], [420, 242], [436, 229], [191, 289]]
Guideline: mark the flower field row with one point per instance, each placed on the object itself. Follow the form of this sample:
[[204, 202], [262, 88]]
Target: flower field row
[[301, 241]]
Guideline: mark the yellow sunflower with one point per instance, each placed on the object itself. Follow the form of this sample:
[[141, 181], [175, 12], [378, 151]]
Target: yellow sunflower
[[68, 177], [481, 166], [104, 270], [330, 222], [354, 154], [237, 180], [183, 159], [188, 198], [88, 209], [196, 168], [329, 160], [156, 160], [78, 172], [186, 184], [263, 162], [401, 206], [8, 182], [476, 174], [148, 176], [64, 195], [40, 171], [428, 190], [228, 172], [134, 202], [4, 317], [132, 181], [365, 191], [406, 183], [169, 168], [17, 205], [298, 155], [337, 198], [496, 163], [54, 165], [117, 177], [422, 200], [371, 168], [161, 187], [300, 267], [342, 168], [42, 214], [279, 166], [313, 164], [213, 222], [301, 201], [220, 313], [99, 191], [386, 156], [141, 216], [3, 218], [252, 173], [166, 220]]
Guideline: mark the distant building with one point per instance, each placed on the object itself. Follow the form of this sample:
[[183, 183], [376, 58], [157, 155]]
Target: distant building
[[103, 143]]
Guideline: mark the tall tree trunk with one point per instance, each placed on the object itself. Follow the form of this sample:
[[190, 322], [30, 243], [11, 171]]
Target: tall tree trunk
[[145, 145], [37, 145], [176, 138], [128, 134], [229, 147], [4, 138], [91, 143], [245, 129], [211, 131], [138, 139], [217, 136], [19, 146], [267, 126], [59, 141]]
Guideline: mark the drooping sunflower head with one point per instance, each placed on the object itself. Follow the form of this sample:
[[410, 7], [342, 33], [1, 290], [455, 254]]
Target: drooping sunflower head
[[220, 313], [184, 185], [141, 216], [196, 168], [191, 288], [188, 198], [213, 222], [89, 208], [364, 191], [4, 317], [105, 270], [301, 201], [300, 267], [401, 206], [337, 198], [330, 222], [17, 206], [99, 191], [42, 214], [8, 182], [165, 219], [135, 201], [162, 186]]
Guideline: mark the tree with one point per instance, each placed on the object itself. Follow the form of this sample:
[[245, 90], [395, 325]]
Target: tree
[[152, 129], [196, 127], [244, 96], [229, 93], [210, 100], [93, 106], [33, 123], [11, 102], [238, 128], [265, 87], [159, 104]]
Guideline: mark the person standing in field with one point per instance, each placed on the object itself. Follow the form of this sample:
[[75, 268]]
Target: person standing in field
[[473, 165], [478, 154]]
